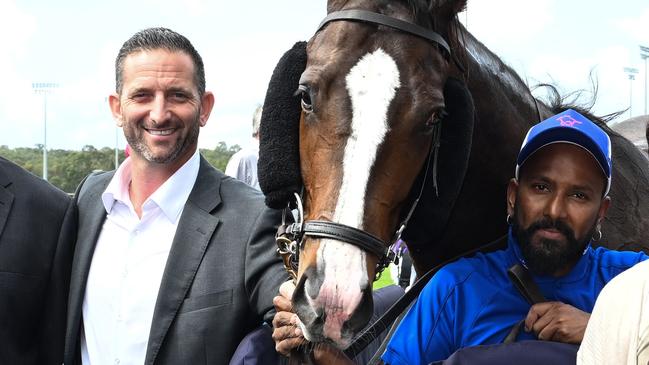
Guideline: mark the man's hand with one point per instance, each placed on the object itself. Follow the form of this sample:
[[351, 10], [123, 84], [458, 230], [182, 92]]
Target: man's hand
[[286, 333], [556, 321]]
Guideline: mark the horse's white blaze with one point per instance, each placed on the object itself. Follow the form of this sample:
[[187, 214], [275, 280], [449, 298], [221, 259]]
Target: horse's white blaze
[[371, 84]]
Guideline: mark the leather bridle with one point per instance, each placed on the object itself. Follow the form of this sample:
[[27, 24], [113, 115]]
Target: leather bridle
[[290, 236], [380, 19]]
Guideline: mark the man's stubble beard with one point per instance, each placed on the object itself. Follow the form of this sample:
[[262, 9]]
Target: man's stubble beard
[[138, 145]]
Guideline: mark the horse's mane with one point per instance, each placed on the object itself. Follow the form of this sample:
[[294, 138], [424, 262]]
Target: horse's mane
[[559, 103]]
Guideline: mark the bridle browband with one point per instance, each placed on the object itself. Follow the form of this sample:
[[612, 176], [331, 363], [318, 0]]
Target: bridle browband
[[290, 236], [380, 19]]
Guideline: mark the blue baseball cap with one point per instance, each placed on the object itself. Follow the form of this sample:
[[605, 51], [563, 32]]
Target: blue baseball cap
[[569, 127]]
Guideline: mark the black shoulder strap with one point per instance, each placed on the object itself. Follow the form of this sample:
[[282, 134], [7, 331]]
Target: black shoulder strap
[[523, 282]]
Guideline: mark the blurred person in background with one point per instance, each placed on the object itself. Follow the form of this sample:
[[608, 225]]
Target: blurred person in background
[[243, 164]]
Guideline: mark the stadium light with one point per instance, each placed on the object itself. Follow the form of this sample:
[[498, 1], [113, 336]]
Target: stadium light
[[644, 54], [631, 72], [44, 88]]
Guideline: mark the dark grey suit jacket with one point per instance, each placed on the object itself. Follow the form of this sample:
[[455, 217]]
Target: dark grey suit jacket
[[219, 280], [37, 228]]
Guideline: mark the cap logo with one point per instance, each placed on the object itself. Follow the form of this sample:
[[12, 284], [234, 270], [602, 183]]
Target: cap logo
[[567, 121]]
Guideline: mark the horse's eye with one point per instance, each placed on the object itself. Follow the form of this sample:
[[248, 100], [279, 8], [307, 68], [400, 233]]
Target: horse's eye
[[305, 98], [436, 118]]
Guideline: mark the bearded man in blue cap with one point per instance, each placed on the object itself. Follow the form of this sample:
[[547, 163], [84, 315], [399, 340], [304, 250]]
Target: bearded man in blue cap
[[555, 205]]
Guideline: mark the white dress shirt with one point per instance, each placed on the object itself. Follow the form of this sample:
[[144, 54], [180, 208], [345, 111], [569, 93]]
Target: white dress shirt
[[128, 264]]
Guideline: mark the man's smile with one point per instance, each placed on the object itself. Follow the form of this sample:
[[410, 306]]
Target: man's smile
[[160, 132]]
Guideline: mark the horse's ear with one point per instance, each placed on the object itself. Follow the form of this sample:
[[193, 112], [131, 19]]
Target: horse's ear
[[448, 9]]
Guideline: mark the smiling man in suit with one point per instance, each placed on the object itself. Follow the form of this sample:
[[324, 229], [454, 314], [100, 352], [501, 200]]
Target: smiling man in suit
[[175, 262], [37, 229]]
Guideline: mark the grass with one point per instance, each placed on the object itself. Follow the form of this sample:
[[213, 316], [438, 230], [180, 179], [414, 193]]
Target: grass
[[384, 280]]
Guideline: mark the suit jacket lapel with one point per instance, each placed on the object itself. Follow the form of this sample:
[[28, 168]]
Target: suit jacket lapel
[[92, 215], [6, 199], [195, 228]]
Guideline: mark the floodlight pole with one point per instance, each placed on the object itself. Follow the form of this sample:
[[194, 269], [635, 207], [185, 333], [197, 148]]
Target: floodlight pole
[[631, 78], [631, 72], [644, 54], [44, 88]]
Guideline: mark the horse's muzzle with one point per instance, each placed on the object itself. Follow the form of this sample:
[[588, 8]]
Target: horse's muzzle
[[329, 315]]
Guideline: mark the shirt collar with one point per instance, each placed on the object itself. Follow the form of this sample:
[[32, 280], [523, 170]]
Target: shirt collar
[[577, 272], [117, 189], [170, 196]]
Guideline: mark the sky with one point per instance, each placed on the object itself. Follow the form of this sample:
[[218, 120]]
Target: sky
[[73, 43]]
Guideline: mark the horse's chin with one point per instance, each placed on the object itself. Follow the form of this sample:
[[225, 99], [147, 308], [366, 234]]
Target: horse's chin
[[316, 336]]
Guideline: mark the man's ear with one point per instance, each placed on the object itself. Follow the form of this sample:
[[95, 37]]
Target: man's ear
[[116, 109], [512, 189], [207, 103], [603, 208]]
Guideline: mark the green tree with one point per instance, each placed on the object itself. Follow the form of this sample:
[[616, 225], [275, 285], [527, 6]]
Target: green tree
[[220, 155], [66, 168]]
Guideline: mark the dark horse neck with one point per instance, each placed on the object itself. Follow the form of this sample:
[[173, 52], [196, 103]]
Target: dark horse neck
[[504, 111]]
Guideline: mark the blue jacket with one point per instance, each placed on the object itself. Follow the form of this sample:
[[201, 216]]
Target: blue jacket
[[472, 302]]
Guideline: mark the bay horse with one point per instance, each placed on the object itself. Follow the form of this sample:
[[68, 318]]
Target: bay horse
[[372, 93]]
